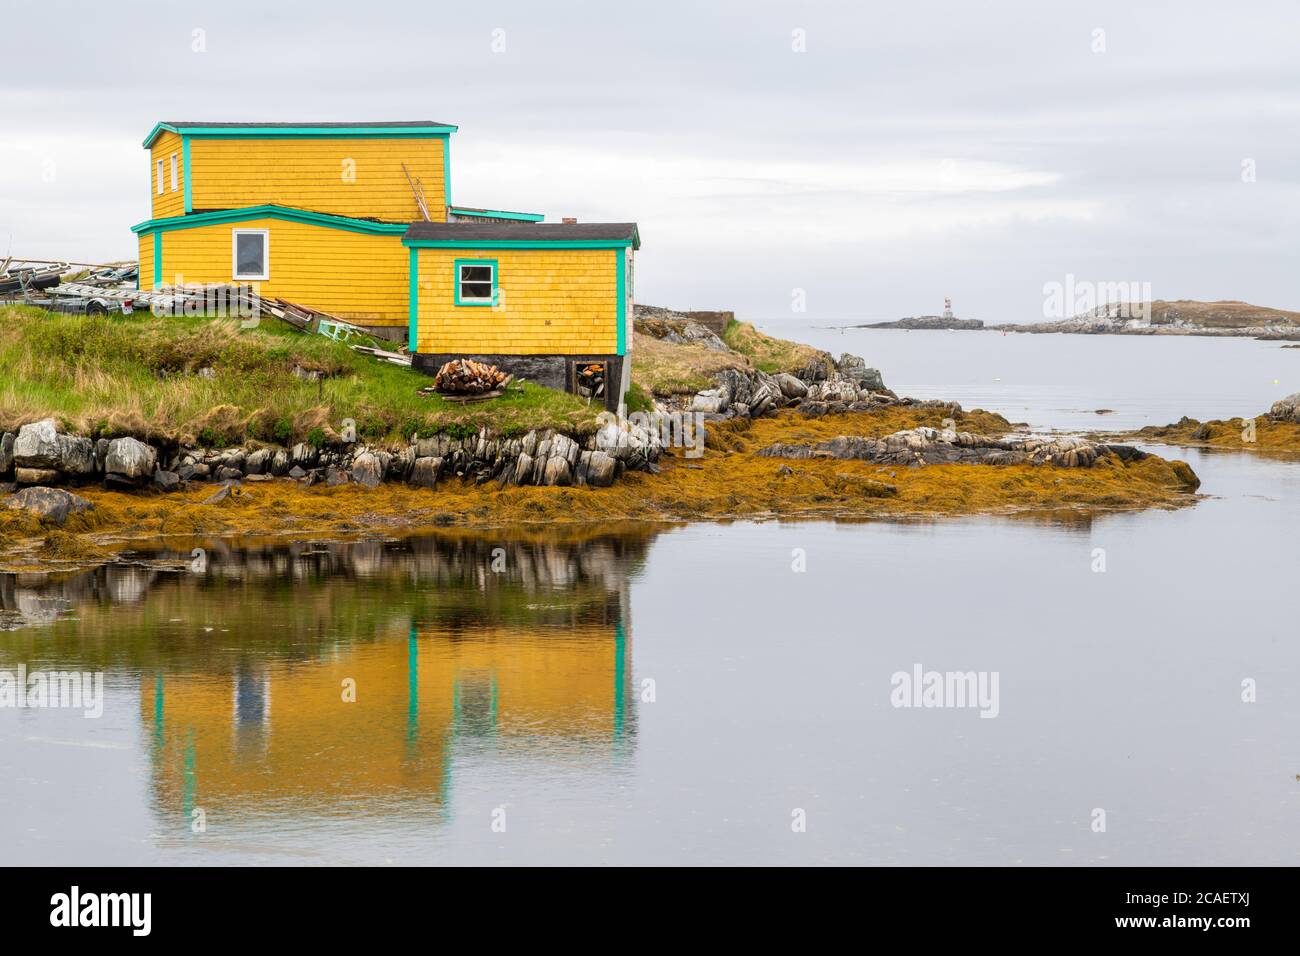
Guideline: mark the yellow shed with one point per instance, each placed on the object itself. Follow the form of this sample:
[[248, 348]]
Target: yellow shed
[[356, 220], [550, 302]]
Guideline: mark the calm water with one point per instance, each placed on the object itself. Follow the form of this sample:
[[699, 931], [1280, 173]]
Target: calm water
[[1059, 381], [511, 685]]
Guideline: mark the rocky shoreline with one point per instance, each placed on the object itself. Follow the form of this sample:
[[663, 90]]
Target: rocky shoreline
[[824, 439], [1278, 431], [40, 457]]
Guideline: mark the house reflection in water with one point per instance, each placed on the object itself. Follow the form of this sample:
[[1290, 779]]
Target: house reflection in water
[[423, 653]]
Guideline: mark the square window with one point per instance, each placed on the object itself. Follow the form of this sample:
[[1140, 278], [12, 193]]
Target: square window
[[476, 282], [251, 254]]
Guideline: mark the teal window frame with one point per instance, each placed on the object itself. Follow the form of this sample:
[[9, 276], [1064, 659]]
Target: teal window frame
[[496, 283]]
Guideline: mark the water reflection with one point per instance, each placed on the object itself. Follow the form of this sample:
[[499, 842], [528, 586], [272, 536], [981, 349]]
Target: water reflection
[[322, 678]]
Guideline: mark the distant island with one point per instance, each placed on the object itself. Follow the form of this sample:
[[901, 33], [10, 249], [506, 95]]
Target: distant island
[[1179, 317], [930, 322], [927, 322], [1229, 318]]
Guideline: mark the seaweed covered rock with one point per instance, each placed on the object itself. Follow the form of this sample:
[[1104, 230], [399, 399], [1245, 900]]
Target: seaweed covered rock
[[933, 446], [50, 504]]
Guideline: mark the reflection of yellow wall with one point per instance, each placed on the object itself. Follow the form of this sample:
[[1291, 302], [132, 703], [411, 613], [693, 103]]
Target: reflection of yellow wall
[[314, 748]]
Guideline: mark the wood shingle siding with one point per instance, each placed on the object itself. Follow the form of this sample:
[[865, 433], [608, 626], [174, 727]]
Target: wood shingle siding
[[355, 177], [554, 301], [172, 201], [359, 277]]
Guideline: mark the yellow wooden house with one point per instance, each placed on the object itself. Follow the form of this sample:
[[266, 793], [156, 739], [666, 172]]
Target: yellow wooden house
[[357, 219]]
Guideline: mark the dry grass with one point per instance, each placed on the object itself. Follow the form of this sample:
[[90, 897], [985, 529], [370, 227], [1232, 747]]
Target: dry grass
[[664, 369]]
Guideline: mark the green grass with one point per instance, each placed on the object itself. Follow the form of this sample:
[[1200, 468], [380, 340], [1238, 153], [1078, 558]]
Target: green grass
[[139, 376]]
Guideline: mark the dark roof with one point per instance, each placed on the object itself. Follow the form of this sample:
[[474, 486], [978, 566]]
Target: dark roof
[[302, 129], [471, 232], [239, 123]]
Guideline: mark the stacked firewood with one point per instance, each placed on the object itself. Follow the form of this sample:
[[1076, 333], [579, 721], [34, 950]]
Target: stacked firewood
[[467, 377], [591, 380]]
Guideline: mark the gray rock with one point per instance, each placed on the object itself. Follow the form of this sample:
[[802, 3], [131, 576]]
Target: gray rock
[[129, 460], [853, 369], [76, 456], [601, 470], [52, 504], [36, 476], [258, 462], [297, 473], [790, 386], [368, 470], [336, 476], [280, 462], [6, 453], [1283, 410], [557, 472], [304, 455], [218, 496], [225, 473], [424, 473], [166, 480], [37, 445]]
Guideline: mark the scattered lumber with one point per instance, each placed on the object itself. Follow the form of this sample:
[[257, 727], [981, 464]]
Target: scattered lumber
[[467, 377], [394, 358]]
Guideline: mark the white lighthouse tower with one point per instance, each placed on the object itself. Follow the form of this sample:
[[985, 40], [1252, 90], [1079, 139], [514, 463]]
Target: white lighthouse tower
[[947, 308]]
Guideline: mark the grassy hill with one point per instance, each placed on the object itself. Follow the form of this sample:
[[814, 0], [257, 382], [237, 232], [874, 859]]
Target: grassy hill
[[208, 381], [1228, 314]]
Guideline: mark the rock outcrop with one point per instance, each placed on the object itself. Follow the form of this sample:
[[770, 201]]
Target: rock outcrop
[[933, 446], [541, 457], [1286, 409]]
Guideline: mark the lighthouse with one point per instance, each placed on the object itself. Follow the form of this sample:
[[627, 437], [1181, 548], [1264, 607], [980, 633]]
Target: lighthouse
[[947, 308]]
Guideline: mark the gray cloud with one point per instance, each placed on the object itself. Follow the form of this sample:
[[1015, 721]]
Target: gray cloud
[[914, 151]]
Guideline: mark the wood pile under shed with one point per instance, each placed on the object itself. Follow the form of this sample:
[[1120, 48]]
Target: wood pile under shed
[[465, 377]]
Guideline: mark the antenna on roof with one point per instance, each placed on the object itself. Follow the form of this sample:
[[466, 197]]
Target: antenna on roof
[[418, 189]]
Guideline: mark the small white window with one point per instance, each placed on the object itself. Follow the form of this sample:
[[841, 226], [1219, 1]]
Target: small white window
[[476, 282], [175, 177], [251, 254], [160, 177]]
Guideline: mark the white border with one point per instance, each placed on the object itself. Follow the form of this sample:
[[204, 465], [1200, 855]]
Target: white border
[[266, 253]]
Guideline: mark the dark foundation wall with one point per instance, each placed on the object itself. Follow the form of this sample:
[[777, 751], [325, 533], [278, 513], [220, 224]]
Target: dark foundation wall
[[553, 371]]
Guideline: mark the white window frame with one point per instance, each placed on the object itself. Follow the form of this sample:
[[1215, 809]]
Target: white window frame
[[266, 254], [175, 174], [493, 295], [160, 177]]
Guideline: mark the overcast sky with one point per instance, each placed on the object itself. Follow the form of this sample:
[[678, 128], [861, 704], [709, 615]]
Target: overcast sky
[[910, 151]]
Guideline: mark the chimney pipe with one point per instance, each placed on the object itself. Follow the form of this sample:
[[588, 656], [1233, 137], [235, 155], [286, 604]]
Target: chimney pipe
[[569, 221]]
